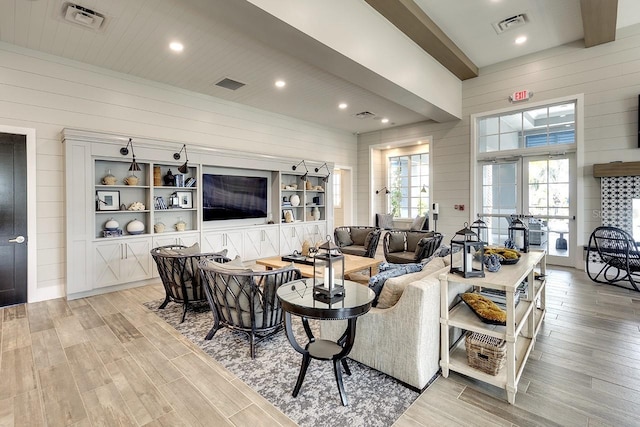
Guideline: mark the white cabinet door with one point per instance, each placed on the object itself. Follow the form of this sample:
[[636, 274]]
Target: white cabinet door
[[261, 243], [188, 239], [122, 262], [315, 233], [136, 262], [107, 263], [291, 239], [216, 241]]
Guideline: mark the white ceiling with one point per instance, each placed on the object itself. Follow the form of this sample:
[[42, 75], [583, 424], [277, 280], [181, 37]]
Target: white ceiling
[[225, 38]]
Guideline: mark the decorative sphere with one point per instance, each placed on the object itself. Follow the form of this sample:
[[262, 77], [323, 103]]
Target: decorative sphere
[[295, 200], [111, 225], [135, 227]]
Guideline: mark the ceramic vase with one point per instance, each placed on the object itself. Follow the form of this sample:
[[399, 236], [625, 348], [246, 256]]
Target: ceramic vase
[[315, 213], [135, 227]]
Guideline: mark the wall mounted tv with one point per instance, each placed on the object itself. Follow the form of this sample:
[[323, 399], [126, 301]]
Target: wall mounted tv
[[233, 197]]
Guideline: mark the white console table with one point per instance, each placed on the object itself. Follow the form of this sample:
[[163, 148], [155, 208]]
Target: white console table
[[523, 321]]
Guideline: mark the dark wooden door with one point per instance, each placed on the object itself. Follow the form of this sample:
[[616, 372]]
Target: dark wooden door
[[13, 219]]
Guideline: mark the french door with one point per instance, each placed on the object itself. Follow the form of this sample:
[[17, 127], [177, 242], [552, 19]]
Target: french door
[[541, 189]]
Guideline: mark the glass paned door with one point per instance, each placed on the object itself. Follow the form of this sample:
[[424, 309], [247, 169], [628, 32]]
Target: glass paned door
[[548, 199], [537, 186]]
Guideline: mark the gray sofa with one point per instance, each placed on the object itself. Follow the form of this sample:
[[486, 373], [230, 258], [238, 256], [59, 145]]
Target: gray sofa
[[403, 341], [357, 240]]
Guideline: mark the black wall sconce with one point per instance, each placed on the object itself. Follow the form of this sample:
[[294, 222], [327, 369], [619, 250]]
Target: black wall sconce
[[125, 150], [326, 178], [386, 190], [184, 167], [303, 177]]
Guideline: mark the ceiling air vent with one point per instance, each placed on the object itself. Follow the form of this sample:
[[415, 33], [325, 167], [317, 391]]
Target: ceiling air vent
[[510, 23], [364, 115], [230, 84], [82, 16]]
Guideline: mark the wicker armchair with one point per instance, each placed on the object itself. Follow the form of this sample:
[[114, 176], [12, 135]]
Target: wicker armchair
[[358, 240], [245, 300], [620, 255], [402, 247], [178, 270]]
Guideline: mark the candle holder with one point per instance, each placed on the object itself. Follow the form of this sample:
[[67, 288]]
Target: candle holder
[[328, 272], [471, 246]]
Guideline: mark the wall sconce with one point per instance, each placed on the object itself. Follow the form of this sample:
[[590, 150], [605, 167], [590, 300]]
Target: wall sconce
[[386, 190], [125, 150], [326, 178], [184, 167], [303, 177]]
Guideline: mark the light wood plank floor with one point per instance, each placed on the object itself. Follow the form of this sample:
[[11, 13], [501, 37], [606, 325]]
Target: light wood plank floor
[[108, 361]]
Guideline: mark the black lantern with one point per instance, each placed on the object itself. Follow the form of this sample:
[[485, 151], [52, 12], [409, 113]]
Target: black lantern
[[328, 272], [470, 246], [519, 235], [480, 228]]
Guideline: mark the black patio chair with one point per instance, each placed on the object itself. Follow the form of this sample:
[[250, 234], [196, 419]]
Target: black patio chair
[[620, 255]]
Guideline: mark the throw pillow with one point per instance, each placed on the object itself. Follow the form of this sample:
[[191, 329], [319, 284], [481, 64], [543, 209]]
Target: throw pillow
[[417, 223], [413, 238], [344, 238], [393, 289], [358, 235], [367, 240], [384, 266], [385, 221], [396, 241]]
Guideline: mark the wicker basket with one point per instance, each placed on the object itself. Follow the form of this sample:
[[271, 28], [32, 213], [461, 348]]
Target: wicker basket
[[485, 353]]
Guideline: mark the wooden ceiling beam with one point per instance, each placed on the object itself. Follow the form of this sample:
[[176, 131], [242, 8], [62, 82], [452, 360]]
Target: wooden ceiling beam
[[409, 18], [599, 21]]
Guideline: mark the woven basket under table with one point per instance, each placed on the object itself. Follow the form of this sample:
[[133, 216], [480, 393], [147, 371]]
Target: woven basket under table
[[485, 353]]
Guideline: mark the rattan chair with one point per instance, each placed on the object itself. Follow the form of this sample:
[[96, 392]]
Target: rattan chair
[[620, 255], [402, 247], [179, 274], [245, 300]]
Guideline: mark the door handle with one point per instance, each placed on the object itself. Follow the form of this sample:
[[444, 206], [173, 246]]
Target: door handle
[[19, 239]]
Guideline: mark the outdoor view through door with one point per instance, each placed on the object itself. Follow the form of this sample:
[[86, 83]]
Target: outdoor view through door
[[526, 163]]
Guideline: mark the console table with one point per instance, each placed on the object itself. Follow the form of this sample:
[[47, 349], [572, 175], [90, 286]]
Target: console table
[[522, 325], [297, 298]]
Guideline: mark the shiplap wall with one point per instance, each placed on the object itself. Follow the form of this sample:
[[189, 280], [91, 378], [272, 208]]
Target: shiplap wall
[[609, 77], [49, 93]]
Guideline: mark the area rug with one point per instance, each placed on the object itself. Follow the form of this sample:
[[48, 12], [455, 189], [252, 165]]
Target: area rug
[[375, 399]]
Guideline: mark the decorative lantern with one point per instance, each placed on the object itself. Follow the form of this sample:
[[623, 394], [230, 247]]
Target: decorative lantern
[[470, 246], [480, 228], [328, 272], [519, 235]]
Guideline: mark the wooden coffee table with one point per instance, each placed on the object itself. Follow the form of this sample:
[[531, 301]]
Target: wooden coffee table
[[352, 263]]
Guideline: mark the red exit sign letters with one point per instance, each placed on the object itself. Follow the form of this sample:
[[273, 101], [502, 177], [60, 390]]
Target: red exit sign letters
[[521, 95]]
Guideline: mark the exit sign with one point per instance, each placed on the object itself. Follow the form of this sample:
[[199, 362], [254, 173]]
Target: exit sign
[[521, 95]]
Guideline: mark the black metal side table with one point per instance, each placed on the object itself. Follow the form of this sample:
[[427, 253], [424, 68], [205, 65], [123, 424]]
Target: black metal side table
[[298, 298]]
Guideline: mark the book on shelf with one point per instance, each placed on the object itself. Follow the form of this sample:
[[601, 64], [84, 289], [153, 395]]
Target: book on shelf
[[190, 182]]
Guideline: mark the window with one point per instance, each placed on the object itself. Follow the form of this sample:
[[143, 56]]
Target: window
[[536, 127], [409, 185], [337, 189]]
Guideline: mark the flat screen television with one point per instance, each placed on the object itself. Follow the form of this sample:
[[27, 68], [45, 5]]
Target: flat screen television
[[233, 197]]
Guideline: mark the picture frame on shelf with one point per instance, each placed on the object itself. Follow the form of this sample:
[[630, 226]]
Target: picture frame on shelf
[[185, 200], [288, 213], [107, 200]]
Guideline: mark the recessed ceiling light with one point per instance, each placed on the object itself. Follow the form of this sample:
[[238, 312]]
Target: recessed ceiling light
[[176, 46], [521, 39], [419, 142], [280, 83], [342, 106], [385, 120]]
